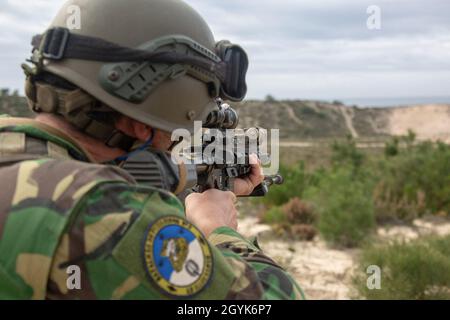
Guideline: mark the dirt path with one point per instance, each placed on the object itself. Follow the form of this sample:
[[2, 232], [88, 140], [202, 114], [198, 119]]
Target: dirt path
[[348, 115], [325, 273], [292, 114]]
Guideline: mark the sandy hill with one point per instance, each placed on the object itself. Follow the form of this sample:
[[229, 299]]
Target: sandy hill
[[300, 120]]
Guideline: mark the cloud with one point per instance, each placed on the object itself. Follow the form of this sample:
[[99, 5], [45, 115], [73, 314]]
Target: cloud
[[322, 49], [19, 21], [298, 49]]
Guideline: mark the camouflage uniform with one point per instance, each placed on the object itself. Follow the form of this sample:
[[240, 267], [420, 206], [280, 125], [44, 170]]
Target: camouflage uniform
[[59, 210]]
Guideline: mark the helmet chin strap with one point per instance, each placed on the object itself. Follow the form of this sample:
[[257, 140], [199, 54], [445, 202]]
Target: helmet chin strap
[[147, 144]]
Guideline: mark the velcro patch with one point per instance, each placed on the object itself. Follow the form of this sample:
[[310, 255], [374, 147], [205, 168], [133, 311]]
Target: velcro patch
[[12, 143], [177, 257]]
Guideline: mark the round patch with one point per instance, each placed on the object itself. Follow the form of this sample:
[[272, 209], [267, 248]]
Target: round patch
[[177, 256]]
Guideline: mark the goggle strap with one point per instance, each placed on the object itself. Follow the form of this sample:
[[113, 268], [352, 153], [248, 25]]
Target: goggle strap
[[58, 44]]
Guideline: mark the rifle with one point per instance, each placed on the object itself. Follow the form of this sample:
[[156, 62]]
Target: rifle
[[155, 167]]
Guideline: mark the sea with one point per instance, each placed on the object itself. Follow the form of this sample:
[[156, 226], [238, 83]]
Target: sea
[[394, 102]]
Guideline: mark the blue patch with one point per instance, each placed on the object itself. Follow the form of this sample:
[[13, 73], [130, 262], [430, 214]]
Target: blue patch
[[177, 257], [173, 231]]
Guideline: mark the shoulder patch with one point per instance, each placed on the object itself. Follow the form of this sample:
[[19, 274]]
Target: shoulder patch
[[177, 257]]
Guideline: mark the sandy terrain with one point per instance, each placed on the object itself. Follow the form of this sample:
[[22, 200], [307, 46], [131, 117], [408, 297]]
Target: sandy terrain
[[427, 121], [325, 273]]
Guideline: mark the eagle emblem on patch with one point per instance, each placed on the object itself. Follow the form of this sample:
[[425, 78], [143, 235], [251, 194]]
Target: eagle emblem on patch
[[177, 257]]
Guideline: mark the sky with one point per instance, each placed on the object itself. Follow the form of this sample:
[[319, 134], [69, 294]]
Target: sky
[[298, 49]]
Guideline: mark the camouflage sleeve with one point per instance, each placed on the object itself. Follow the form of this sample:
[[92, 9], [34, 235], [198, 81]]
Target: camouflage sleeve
[[90, 233], [276, 282], [131, 242], [38, 202]]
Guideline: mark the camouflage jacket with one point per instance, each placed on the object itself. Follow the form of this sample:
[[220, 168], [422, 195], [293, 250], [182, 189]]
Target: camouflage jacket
[[71, 229]]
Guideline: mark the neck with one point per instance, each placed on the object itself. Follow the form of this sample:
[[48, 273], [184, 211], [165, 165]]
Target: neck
[[96, 149]]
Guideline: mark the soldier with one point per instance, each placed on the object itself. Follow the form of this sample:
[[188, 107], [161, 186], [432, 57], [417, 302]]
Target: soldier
[[133, 72]]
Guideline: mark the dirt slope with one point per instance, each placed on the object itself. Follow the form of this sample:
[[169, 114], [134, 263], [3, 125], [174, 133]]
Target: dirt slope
[[429, 122], [300, 120]]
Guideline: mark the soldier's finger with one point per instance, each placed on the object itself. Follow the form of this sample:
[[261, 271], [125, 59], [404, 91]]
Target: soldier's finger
[[254, 160], [231, 196]]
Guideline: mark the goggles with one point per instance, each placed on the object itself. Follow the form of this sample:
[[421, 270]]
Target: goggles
[[132, 73]]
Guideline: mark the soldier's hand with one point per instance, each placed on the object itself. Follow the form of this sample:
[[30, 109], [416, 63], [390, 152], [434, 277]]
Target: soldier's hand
[[212, 209], [245, 186]]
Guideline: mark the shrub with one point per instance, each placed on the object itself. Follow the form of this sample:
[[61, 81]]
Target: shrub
[[391, 148], [296, 180], [417, 270], [393, 209], [298, 212], [343, 201], [415, 183], [295, 218], [274, 215], [303, 231], [410, 139], [270, 98], [347, 154]]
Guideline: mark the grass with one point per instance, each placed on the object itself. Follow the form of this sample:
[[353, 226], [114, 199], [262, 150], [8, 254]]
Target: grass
[[409, 271]]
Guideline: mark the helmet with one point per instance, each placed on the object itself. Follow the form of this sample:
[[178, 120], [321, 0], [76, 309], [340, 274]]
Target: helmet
[[155, 61]]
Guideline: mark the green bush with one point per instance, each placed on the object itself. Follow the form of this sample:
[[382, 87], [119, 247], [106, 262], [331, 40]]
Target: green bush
[[391, 148], [347, 154], [415, 182], [412, 181], [296, 180], [343, 201], [274, 215], [417, 270], [270, 98]]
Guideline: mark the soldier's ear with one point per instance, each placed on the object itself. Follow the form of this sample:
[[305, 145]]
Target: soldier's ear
[[133, 128], [141, 131], [126, 125]]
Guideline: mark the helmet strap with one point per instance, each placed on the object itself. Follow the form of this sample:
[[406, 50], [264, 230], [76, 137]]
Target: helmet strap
[[143, 147]]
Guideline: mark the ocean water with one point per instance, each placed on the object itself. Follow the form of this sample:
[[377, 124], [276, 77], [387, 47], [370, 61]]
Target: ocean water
[[394, 102]]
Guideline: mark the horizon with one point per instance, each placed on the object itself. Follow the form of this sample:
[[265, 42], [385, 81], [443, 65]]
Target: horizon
[[361, 102]]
